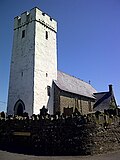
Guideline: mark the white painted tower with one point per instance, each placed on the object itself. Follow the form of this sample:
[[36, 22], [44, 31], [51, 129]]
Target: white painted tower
[[33, 63]]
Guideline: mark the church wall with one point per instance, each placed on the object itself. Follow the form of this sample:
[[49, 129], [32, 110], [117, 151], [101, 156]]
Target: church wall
[[65, 99], [66, 102], [45, 68], [81, 103], [85, 106]]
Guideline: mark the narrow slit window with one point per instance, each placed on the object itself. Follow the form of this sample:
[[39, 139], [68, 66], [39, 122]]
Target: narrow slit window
[[46, 34], [22, 74], [48, 90], [23, 33]]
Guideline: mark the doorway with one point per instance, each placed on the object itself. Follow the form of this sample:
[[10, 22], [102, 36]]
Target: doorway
[[19, 108]]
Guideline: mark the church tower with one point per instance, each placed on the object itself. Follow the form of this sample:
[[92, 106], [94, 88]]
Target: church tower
[[33, 63]]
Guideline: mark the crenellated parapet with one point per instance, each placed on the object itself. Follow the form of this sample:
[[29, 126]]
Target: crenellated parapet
[[37, 15]]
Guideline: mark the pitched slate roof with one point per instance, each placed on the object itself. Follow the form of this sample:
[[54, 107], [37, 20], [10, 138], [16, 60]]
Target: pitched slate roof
[[104, 99], [74, 85]]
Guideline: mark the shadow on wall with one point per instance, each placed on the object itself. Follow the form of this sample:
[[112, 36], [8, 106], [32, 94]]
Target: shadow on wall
[[50, 103]]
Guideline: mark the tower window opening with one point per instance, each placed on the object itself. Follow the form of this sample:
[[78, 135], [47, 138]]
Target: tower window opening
[[48, 90], [22, 74], [46, 74], [23, 33], [46, 35]]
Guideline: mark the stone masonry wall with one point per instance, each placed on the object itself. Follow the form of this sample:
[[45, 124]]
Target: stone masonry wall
[[106, 139], [77, 135], [68, 100]]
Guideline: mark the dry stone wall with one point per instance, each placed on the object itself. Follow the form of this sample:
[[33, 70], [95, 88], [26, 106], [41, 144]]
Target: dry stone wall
[[77, 135]]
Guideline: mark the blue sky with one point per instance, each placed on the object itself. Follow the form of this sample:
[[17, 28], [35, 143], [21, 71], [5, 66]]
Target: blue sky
[[88, 40]]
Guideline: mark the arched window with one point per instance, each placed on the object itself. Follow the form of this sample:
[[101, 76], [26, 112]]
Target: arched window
[[19, 108]]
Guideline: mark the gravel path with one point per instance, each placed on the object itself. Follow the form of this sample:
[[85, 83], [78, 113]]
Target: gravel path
[[14, 156]]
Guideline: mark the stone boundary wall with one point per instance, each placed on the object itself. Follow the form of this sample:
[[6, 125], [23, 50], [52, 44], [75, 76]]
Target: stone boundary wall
[[105, 139], [63, 136]]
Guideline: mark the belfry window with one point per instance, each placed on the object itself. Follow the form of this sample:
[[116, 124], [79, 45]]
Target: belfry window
[[48, 90], [46, 34], [23, 33]]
